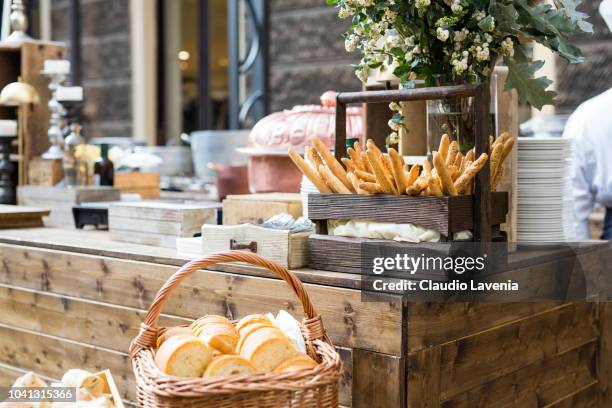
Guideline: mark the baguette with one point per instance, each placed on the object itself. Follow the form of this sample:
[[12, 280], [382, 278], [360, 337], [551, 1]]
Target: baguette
[[400, 176], [372, 146], [508, 145], [433, 189], [333, 182], [229, 365], [308, 171], [443, 149], [183, 356], [471, 155], [447, 183], [314, 157], [458, 159], [379, 172], [355, 181], [362, 175], [414, 174], [418, 186], [462, 183], [335, 167]]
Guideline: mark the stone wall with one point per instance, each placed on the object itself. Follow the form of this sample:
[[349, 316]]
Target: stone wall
[[105, 72], [307, 55], [577, 83]]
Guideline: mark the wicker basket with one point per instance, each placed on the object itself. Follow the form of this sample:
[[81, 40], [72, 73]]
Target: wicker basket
[[317, 387]]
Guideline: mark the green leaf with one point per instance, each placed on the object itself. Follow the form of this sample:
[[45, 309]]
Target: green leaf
[[521, 76], [505, 15]]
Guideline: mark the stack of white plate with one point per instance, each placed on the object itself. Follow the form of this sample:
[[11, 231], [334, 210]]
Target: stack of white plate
[[545, 199]]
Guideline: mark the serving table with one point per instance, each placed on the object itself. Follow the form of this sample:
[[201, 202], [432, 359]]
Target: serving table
[[76, 299]]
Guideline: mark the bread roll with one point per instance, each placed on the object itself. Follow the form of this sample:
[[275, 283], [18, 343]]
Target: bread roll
[[267, 348], [228, 365], [84, 379], [183, 356], [296, 363], [172, 331], [220, 336]]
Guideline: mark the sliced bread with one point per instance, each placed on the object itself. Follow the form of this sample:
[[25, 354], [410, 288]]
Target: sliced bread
[[299, 362], [229, 365], [183, 356], [266, 348]]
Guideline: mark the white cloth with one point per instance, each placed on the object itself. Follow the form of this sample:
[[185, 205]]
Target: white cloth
[[590, 126]]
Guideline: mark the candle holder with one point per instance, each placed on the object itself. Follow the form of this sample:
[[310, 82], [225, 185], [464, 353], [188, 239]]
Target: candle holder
[[19, 24], [55, 134]]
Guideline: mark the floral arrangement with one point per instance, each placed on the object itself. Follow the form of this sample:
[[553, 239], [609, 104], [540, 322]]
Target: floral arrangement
[[461, 40]]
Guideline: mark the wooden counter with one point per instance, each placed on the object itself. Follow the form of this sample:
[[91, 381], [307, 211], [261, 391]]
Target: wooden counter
[[76, 299]]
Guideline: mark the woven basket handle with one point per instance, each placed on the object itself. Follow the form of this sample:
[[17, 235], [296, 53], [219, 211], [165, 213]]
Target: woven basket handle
[[312, 325]]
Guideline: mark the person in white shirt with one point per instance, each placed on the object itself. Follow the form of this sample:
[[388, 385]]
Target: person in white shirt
[[590, 126]]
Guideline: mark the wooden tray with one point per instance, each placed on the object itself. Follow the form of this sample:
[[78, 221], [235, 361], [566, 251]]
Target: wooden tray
[[446, 215]]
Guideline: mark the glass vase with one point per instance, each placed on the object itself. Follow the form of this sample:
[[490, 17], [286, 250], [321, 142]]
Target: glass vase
[[454, 117]]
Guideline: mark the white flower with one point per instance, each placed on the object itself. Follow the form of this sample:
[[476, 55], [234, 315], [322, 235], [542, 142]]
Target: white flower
[[481, 54], [456, 7], [362, 73], [394, 126], [507, 47], [394, 106], [391, 15], [350, 43], [442, 34], [392, 41], [345, 12], [479, 15], [421, 4]]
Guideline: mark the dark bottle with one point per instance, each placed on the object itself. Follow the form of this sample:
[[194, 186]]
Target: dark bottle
[[104, 171]]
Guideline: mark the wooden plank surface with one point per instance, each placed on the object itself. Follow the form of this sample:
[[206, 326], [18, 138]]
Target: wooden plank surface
[[483, 357], [541, 383], [99, 243], [423, 377], [604, 366], [378, 380], [52, 357], [350, 321]]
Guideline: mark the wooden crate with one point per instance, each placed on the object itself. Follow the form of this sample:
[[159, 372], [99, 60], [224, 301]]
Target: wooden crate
[[60, 200], [45, 172], [158, 223], [289, 250], [256, 208], [145, 184]]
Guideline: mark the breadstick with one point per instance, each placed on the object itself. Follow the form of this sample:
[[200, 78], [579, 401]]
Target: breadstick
[[464, 163], [462, 182], [447, 183], [502, 138], [386, 162], [497, 178], [453, 149], [400, 176], [426, 167], [471, 155], [444, 144], [508, 145], [379, 172], [366, 162], [348, 163], [372, 146], [453, 171], [314, 157], [433, 189], [496, 155], [333, 181], [413, 174], [335, 167], [355, 181], [371, 188], [365, 176], [309, 172], [418, 186], [458, 159], [355, 158]]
